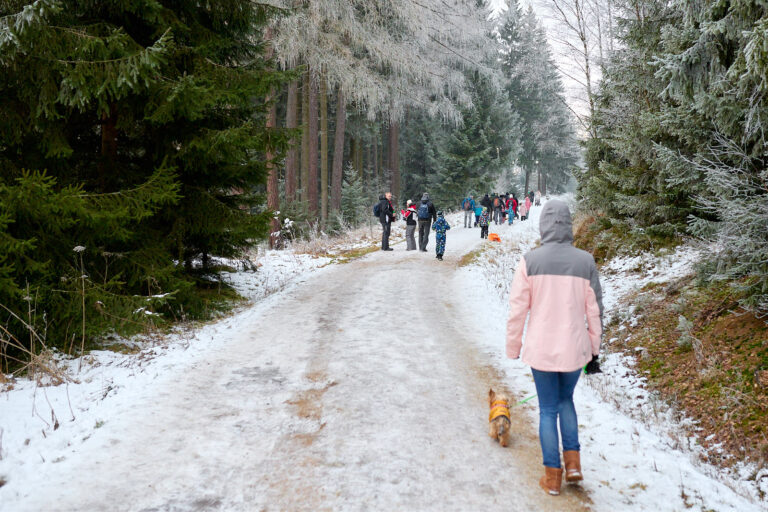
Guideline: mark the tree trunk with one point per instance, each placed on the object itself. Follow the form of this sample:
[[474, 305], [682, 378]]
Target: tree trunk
[[313, 156], [108, 145], [359, 158], [394, 159], [273, 191], [305, 139], [376, 157], [527, 177], [323, 152], [292, 157], [338, 152]]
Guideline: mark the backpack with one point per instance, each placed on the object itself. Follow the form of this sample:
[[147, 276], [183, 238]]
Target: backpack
[[496, 202], [377, 210], [467, 205], [423, 211]]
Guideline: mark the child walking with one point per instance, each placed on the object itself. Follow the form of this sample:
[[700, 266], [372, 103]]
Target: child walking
[[485, 220], [440, 226]]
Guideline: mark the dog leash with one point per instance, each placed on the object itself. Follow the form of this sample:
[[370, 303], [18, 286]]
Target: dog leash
[[521, 402]]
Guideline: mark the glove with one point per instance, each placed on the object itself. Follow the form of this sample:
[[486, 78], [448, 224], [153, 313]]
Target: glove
[[593, 366]]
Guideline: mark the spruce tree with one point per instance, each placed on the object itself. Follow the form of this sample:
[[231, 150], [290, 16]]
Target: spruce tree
[[135, 130]]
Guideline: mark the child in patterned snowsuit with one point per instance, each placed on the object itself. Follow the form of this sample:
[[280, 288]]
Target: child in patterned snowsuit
[[485, 220], [440, 226]]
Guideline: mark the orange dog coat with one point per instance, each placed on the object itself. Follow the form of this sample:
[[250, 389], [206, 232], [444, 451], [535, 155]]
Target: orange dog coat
[[498, 408]]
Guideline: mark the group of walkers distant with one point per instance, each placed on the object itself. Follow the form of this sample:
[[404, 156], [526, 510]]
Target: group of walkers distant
[[499, 208], [423, 217]]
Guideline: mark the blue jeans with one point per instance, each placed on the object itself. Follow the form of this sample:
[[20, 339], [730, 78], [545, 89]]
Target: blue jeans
[[555, 393]]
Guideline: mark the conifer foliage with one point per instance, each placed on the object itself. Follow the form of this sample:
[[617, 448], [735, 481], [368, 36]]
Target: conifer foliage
[[679, 144], [134, 132]]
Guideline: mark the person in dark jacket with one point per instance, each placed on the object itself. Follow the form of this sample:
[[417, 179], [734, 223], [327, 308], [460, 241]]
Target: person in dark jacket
[[426, 214], [486, 202], [531, 195], [386, 216]]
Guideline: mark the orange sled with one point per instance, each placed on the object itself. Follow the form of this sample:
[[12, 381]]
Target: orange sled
[[494, 237]]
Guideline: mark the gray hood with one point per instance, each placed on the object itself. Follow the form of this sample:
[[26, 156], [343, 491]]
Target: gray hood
[[555, 223], [425, 197]]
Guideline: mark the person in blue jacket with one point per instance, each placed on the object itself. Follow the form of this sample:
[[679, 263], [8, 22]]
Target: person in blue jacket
[[468, 205], [440, 226]]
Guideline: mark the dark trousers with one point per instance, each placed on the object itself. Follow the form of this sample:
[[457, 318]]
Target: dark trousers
[[424, 226], [483, 231], [386, 227]]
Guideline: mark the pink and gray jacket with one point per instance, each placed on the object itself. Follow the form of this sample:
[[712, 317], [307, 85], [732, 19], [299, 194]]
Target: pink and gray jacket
[[558, 286]]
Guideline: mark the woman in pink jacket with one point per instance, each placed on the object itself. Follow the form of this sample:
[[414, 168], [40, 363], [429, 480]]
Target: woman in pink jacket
[[556, 287]]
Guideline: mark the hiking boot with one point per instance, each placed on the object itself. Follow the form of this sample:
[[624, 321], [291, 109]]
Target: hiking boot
[[572, 466], [552, 480]]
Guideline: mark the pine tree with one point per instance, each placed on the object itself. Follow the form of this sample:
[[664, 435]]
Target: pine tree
[[143, 126]]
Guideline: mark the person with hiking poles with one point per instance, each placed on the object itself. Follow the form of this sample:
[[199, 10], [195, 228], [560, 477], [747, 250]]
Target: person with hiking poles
[[468, 205], [386, 216], [426, 214], [556, 287]]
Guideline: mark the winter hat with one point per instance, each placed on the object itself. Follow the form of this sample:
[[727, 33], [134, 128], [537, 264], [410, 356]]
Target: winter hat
[[440, 213], [409, 203], [485, 208], [425, 197]]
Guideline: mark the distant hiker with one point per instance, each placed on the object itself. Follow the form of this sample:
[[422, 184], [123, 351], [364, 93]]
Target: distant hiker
[[528, 204], [409, 214], [386, 216], [486, 202], [559, 287], [468, 205], [478, 212], [426, 214], [497, 202], [530, 196], [538, 198], [504, 199], [511, 208], [485, 220], [523, 209], [440, 226]]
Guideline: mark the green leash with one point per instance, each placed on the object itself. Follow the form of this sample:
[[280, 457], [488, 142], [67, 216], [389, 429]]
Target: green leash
[[521, 402]]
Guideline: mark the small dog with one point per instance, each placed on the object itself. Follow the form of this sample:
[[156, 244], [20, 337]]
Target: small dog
[[499, 417]]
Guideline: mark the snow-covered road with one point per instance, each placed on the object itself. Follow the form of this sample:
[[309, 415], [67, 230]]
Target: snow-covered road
[[361, 390]]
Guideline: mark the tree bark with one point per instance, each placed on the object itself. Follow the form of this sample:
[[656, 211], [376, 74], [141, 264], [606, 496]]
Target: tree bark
[[527, 177], [313, 156], [394, 159], [108, 145], [323, 152], [375, 157], [273, 191], [305, 139], [338, 152], [292, 157]]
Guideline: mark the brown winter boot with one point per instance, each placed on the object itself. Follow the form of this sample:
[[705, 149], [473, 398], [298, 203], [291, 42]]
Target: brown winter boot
[[551, 481], [572, 466]]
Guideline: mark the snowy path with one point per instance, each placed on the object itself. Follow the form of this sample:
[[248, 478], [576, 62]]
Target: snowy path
[[362, 390]]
